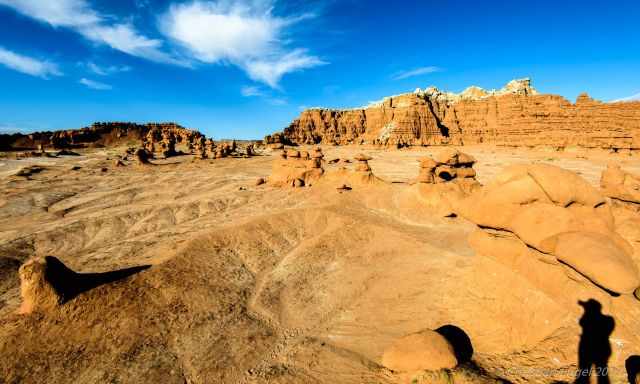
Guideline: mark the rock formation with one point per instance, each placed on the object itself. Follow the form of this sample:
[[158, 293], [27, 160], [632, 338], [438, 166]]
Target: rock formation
[[623, 189], [425, 350], [297, 169], [444, 181], [149, 135], [46, 283], [513, 116], [210, 148], [141, 156], [551, 212], [200, 148], [620, 185]]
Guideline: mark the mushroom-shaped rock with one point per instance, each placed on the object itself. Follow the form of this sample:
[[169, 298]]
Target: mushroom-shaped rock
[[292, 153], [425, 350], [466, 159], [447, 156], [363, 163], [445, 173], [362, 157], [428, 163]]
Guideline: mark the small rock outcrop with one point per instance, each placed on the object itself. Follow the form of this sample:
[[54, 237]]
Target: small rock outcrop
[[449, 165], [297, 169], [445, 180], [620, 185], [141, 156], [553, 212], [425, 350], [46, 283], [623, 190]]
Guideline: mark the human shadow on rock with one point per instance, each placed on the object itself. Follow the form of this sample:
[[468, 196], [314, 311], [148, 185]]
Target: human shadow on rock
[[632, 364], [594, 349]]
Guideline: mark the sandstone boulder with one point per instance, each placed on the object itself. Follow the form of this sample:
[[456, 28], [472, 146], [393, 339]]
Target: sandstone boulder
[[620, 185], [597, 257], [425, 350], [36, 286], [557, 213]]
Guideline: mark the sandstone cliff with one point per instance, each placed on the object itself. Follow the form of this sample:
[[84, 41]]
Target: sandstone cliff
[[98, 134], [515, 115]]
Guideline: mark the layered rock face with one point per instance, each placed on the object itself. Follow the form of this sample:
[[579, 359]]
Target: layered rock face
[[162, 135], [516, 115]]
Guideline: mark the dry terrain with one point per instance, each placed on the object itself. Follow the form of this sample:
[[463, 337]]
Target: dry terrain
[[260, 284]]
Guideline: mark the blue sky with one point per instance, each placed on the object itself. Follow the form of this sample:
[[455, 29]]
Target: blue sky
[[246, 68]]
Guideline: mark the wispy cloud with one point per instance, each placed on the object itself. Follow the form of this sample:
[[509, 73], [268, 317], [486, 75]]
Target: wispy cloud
[[250, 91], [10, 129], [95, 84], [28, 65], [80, 17], [415, 72], [635, 97], [277, 101], [105, 70], [244, 33]]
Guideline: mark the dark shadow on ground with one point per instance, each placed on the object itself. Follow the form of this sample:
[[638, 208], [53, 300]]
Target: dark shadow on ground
[[69, 284], [633, 368], [459, 340]]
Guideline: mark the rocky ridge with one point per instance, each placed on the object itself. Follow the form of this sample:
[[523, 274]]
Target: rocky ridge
[[102, 134], [516, 115]]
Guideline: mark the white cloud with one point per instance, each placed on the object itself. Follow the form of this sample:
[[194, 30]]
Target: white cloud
[[28, 65], [79, 16], [243, 33], [10, 129], [250, 91], [58, 13], [271, 70], [95, 84], [635, 97], [277, 101], [105, 70], [415, 72]]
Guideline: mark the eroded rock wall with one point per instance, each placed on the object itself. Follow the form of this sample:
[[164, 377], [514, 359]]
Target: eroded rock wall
[[514, 116], [98, 134]]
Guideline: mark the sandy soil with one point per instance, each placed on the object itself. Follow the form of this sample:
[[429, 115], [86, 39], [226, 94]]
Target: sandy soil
[[260, 284]]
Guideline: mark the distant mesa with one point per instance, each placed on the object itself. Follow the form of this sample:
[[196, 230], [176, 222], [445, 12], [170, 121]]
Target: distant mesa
[[514, 116], [101, 134]]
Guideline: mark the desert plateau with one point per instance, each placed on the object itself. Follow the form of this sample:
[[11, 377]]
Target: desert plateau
[[181, 259]]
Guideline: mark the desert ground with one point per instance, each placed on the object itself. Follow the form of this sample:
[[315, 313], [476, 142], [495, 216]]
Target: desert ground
[[262, 284]]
